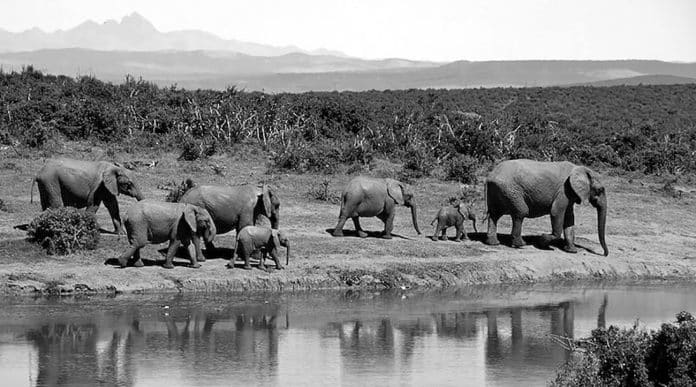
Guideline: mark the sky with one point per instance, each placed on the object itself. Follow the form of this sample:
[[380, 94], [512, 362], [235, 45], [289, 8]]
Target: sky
[[437, 30]]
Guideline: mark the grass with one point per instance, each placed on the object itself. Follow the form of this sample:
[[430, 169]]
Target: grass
[[648, 234]]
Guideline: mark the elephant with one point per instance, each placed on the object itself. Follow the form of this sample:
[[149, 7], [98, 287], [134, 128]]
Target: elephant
[[266, 240], [530, 189], [77, 183], [150, 221], [234, 207], [367, 196], [453, 216]]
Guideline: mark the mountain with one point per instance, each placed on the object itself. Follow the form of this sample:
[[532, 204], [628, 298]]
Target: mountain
[[135, 33], [658, 79]]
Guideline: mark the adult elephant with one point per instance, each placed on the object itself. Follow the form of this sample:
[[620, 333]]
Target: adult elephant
[[77, 183], [235, 207], [530, 189], [367, 196]]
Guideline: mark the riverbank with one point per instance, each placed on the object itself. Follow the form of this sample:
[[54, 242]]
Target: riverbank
[[649, 235]]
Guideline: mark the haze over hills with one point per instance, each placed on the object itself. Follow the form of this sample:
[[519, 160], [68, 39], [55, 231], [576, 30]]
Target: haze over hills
[[197, 59], [135, 33]]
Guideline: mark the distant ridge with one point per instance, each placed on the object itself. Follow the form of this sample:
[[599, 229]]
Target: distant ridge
[[658, 79], [136, 33], [298, 72]]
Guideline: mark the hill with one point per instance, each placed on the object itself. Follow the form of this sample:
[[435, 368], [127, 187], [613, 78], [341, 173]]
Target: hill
[[646, 80], [299, 72]]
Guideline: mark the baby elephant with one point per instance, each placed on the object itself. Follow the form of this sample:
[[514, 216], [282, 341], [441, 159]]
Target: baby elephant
[[150, 221], [453, 216], [263, 239]]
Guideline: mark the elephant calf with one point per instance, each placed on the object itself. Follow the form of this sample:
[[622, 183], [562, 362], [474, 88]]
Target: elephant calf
[[453, 216], [263, 239], [150, 221]]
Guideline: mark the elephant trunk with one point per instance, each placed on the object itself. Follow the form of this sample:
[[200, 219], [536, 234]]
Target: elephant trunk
[[287, 254], [602, 222], [414, 218], [473, 223], [137, 194]]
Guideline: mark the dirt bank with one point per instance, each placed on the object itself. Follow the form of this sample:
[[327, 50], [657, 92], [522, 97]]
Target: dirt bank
[[649, 235]]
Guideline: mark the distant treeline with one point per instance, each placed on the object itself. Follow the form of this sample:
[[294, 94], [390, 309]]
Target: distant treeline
[[637, 128]]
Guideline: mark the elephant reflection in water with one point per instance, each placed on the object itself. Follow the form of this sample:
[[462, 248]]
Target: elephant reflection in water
[[79, 354], [366, 344], [458, 325], [242, 342]]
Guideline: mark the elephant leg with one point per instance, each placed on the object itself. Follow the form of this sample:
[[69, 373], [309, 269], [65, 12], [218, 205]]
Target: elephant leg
[[197, 255], [274, 256], [492, 237], [209, 251], [123, 258], [173, 247], [262, 260], [137, 261], [517, 240], [556, 229], [358, 228], [443, 236], [569, 230], [388, 224], [338, 230], [460, 233], [111, 205]]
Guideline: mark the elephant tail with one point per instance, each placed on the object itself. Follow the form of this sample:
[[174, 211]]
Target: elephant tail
[[433, 221]]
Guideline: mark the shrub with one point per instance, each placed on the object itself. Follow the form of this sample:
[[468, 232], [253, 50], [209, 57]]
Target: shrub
[[3, 206], [634, 357], [323, 192], [65, 230], [463, 169], [176, 191]]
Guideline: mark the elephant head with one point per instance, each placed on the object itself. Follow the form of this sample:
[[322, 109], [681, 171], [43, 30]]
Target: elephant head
[[116, 180], [585, 185], [200, 222], [395, 189], [271, 206], [466, 213], [281, 239]]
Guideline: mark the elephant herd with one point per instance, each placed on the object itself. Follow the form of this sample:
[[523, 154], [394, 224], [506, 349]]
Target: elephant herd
[[519, 188]]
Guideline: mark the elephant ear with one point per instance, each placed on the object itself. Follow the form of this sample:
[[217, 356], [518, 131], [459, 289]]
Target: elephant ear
[[189, 216], [266, 197], [579, 180], [395, 190], [109, 179]]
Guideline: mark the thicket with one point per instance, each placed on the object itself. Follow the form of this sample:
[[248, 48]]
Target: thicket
[[635, 357], [65, 230], [637, 128]]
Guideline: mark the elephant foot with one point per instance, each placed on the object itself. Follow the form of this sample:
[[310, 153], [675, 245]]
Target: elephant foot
[[457, 240], [230, 265], [387, 236], [337, 233], [280, 267], [201, 259], [434, 238], [246, 267], [196, 266], [122, 262], [139, 263], [518, 243], [362, 234], [168, 266], [443, 238], [570, 249], [492, 241]]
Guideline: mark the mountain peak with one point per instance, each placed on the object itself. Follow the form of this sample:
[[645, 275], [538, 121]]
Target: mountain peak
[[137, 21]]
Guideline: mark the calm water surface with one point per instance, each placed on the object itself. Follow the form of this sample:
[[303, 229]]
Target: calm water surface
[[496, 336]]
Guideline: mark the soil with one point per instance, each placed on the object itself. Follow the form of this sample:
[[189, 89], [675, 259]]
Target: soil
[[649, 234]]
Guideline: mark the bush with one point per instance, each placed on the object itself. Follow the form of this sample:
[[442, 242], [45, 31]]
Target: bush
[[176, 191], [463, 169], [323, 192], [634, 357], [65, 230]]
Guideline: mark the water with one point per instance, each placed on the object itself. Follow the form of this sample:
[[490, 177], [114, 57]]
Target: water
[[496, 336]]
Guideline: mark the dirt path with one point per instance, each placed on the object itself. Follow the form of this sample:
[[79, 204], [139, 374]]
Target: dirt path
[[650, 236]]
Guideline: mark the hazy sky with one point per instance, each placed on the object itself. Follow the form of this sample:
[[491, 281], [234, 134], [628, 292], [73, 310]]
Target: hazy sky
[[439, 30]]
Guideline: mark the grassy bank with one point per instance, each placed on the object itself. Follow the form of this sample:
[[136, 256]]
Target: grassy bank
[[649, 235]]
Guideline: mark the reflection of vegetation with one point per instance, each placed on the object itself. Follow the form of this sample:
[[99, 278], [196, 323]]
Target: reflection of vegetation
[[637, 128], [634, 357]]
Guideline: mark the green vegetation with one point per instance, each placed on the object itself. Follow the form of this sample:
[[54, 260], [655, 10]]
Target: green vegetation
[[634, 357], [651, 129], [65, 230]]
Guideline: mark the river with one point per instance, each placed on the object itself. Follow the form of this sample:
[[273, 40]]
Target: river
[[498, 336]]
